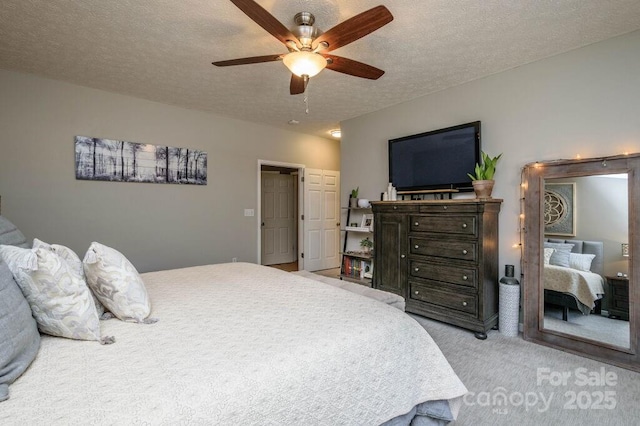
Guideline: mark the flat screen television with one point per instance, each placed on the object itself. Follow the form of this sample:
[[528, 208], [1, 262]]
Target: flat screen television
[[439, 159]]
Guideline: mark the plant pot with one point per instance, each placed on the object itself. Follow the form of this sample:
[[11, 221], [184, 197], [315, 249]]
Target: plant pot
[[353, 202], [483, 188]]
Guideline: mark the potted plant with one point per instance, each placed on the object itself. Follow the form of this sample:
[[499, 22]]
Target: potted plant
[[366, 245], [483, 181], [353, 197]]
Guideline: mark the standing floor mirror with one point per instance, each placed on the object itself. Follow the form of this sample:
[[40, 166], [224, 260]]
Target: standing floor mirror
[[579, 238]]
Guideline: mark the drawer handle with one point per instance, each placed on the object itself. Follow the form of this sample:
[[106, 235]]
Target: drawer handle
[[464, 252], [465, 278], [416, 269], [464, 303], [416, 246], [402, 256], [444, 207], [416, 292], [395, 207], [416, 223], [464, 225]]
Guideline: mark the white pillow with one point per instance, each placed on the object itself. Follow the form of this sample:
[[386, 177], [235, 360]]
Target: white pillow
[[548, 252], [60, 301], [581, 262], [75, 263], [116, 283]]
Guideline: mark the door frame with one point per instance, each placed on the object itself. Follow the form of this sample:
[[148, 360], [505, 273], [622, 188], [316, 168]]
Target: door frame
[[300, 223]]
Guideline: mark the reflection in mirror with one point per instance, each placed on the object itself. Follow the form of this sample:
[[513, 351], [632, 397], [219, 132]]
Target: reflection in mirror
[[586, 289], [588, 215]]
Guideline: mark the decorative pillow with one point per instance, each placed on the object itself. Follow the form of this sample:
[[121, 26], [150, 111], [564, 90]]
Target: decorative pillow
[[11, 235], [581, 262], [20, 338], [547, 255], [75, 263], [116, 283], [560, 256], [60, 301]]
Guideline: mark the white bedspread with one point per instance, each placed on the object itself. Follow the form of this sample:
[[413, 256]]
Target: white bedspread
[[587, 287], [238, 344]]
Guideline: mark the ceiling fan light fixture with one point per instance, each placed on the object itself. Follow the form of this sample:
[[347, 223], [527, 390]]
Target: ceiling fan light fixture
[[304, 63]]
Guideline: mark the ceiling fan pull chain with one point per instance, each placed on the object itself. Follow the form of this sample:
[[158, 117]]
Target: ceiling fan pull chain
[[306, 99]]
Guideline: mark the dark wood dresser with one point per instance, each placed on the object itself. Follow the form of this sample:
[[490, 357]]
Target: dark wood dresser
[[442, 257]]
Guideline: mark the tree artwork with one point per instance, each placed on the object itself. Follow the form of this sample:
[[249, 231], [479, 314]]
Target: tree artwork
[[121, 161]]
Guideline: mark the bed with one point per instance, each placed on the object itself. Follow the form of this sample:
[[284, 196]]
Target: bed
[[240, 343], [579, 287]]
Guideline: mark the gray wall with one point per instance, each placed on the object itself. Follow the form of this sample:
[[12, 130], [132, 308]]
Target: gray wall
[[156, 226], [584, 102]]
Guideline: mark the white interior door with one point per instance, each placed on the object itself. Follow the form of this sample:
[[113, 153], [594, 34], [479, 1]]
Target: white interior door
[[278, 219], [321, 219]]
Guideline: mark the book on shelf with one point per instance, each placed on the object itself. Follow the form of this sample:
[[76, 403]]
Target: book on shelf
[[357, 268]]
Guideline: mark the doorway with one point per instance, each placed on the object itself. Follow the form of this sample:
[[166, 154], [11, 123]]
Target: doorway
[[278, 215], [314, 204]]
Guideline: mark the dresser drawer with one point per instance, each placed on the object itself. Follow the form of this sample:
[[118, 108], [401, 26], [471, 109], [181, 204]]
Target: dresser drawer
[[467, 303], [394, 207], [440, 208], [445, 224], [460, 250], [467, 277]]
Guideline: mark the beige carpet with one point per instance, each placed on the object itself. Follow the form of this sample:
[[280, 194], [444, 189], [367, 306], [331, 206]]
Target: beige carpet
[[502, 375]]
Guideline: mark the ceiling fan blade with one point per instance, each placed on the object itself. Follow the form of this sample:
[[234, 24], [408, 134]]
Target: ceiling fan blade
[[351, 67], [266, 20], [354, 28], [251, 60], [298, 84]]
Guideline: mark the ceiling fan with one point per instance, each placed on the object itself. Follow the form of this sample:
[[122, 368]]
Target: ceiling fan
[[308, 46]]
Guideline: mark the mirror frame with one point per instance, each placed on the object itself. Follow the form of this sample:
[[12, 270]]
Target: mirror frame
[[533, 176]]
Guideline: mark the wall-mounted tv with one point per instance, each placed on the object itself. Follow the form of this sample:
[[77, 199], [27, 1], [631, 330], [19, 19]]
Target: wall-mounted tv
[[439, 159]]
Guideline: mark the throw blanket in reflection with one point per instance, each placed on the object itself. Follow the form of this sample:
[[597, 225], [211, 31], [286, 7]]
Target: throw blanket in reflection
[[586, 287]]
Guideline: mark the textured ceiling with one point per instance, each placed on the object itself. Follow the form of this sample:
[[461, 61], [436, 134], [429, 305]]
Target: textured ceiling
[[162, 50]]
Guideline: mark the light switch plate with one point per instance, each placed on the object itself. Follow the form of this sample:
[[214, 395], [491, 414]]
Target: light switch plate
[[249, 212]]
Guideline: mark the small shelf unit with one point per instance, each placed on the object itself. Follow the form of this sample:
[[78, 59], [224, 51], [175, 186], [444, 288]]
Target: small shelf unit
[[356, 266]]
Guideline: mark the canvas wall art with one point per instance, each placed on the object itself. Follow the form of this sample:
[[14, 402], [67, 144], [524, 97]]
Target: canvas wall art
[[121, 161], [559, 209]]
